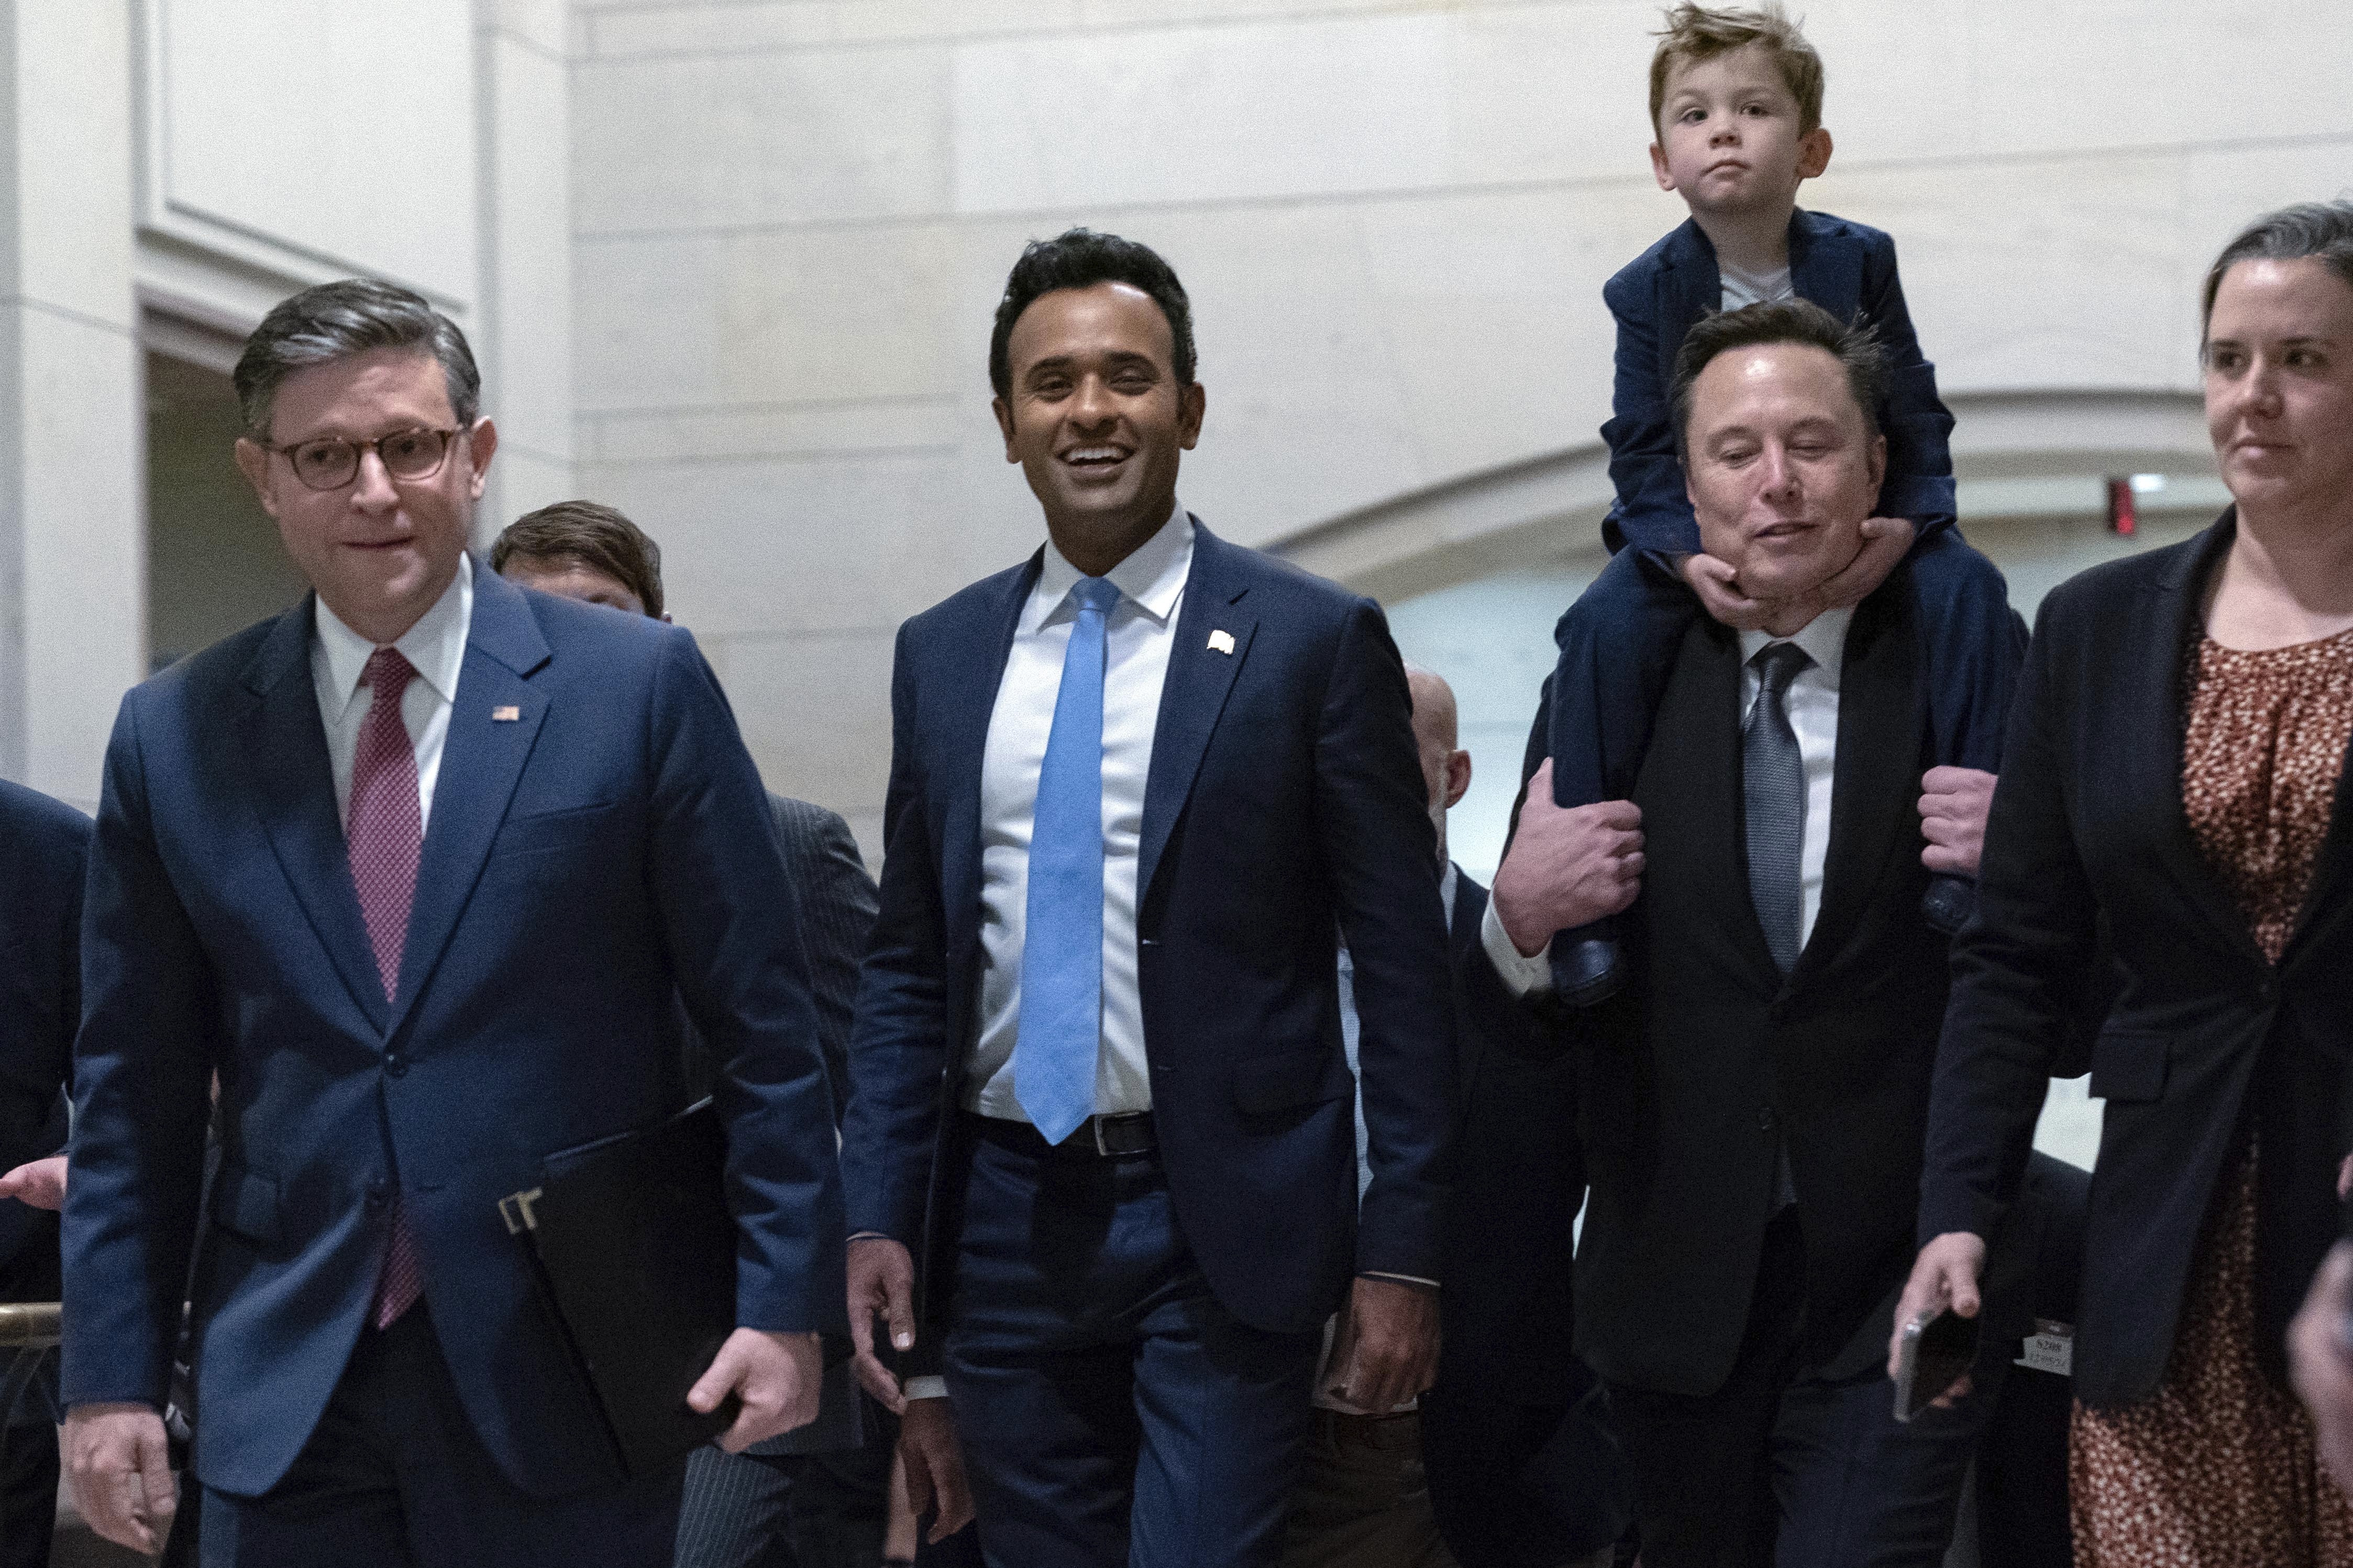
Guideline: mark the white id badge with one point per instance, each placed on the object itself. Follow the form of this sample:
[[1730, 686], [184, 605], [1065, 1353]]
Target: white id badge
[[2049, 1348]]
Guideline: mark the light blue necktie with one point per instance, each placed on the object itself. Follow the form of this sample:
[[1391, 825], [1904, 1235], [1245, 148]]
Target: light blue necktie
[[1061, 943]]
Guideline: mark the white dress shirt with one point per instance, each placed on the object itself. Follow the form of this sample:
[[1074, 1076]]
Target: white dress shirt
[[1812, 704], [436, 646], [1137, 636]]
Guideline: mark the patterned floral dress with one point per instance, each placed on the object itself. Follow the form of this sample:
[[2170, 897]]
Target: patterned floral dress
[[2217, 1468]]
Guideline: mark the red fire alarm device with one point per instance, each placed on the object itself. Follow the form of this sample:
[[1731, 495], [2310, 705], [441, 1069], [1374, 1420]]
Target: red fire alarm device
[[2123, 516]]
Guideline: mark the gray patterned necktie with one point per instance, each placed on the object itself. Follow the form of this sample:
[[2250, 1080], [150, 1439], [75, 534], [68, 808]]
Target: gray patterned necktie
[[1773, 791]]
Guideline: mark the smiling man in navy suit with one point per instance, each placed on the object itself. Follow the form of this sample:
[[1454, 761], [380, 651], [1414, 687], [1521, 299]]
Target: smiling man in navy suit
[[1141, 785], [419, 871]]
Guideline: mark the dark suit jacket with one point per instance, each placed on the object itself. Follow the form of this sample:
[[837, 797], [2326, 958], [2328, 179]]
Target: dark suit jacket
[[601, 852], [1284, 806], [1849, 269], [835, 898], [2205, 1043], [45, 845], [1519, 1472], [1519, 1180], [1711, 1060]]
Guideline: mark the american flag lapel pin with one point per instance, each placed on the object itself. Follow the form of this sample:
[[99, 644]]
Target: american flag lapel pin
[[505, 713], [1221, 642]]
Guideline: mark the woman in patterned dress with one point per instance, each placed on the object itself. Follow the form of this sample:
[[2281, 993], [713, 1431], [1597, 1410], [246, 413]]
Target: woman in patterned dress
[[2175, 777]]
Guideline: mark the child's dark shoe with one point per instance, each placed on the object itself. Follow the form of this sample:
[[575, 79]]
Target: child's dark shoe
[[1948, 903], [1586, 968]]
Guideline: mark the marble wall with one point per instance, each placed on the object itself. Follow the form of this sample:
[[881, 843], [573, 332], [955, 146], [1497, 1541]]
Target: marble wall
[[792, 219], [172, 169]]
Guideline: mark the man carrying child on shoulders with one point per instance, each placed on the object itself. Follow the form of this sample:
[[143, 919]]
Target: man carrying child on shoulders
[[1736, 105]]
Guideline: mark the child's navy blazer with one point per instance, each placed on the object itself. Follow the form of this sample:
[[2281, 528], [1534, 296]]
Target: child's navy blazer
[[1849, 269]]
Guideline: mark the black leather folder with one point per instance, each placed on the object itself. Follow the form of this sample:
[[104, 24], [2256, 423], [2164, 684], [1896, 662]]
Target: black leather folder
[[636, 1252]]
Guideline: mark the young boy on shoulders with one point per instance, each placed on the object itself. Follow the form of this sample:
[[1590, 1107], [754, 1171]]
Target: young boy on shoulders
[[1736, 103]]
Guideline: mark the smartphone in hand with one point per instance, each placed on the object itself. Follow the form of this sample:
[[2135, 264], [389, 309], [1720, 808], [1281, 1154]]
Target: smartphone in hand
[[1933, 1354]]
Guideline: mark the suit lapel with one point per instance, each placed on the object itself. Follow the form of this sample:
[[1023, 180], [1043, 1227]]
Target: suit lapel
[[1694, 286], [2156, 697], [958, 710], [1463, 925], [1194, 692], [1693, 777], [1829, 274], [283, 746], [1873, 778], [481, 758]]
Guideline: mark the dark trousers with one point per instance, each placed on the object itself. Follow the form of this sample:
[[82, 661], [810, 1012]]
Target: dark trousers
[[1364, 1502], [28, 1460], [1783, 1468], [1112, 1412], [395, 1477], [828, 1510], [1618, 644], [1523, 1485]]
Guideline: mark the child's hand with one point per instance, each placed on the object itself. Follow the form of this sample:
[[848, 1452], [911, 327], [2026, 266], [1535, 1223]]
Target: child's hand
[[1954, 803], [1717, 583], [1886, 542]]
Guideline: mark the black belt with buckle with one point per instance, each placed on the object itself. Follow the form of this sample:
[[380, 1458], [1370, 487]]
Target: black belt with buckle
[[1098, 1138]]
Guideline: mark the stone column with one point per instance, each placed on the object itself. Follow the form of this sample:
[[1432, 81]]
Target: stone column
[[72, 530], [521, 328]]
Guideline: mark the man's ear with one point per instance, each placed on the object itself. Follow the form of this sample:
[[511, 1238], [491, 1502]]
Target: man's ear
[[1659, 169], [1192, 404], [1878, 469], [1813, 153], [483, 446], [253, 462], [1004, 412], [1458, 776]]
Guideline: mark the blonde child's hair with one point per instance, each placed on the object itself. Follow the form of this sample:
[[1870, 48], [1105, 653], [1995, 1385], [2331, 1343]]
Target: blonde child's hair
[[1697, 33]]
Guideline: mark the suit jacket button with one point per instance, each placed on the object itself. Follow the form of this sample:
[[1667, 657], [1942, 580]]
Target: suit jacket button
[[378, 1194], [1764, 1119], [395, 1066]]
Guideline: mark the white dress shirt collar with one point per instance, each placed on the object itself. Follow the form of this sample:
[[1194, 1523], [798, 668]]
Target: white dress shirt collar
[[1823, 639], [435, 646], [1152, 576]]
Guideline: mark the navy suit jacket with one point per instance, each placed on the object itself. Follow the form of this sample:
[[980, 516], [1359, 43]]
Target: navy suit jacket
[[1847, 268], [45, 845], [600, 848], [1284, 806]]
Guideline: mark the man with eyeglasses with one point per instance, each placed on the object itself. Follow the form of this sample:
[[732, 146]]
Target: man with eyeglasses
[[421, 869]]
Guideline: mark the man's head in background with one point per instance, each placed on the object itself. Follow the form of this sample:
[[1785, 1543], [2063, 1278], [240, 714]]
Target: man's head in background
[[585, 551], [1445, 766]]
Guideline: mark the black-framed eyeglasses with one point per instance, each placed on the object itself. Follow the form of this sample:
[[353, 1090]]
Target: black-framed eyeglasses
[[330, 462]]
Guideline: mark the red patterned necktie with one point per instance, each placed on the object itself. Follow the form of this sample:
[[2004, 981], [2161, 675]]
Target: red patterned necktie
[[386, 831]]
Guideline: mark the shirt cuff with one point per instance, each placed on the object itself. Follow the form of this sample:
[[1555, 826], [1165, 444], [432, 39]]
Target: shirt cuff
[[932, 1387], [1521, 976], [1401, 1278]]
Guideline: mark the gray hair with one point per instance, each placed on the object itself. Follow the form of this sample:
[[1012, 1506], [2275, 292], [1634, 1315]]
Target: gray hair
[[336, 320], [2322, 230]]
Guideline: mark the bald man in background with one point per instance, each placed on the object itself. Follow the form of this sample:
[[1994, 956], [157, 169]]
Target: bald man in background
[[1496, 1466]]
